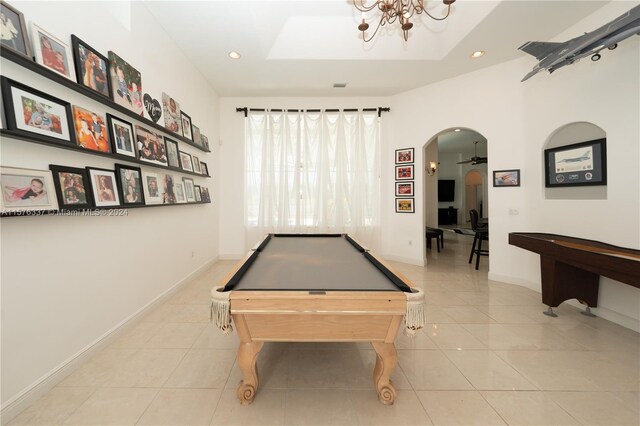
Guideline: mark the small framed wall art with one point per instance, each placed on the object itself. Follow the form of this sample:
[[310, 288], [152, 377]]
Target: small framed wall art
[[72, 187], [189, 190], [91, 130], [26, 190], [92, 68], [405, 205], [404, 189], [151, 188], [52, 52], [14, 30], [506, 177], [130, 188], [404, 172], [186, 125], [104, 186], [172, 153], [122, 136], [404, 156], [579, 164]]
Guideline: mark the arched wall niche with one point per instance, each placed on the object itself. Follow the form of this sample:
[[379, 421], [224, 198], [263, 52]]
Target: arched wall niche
[[569, 134]]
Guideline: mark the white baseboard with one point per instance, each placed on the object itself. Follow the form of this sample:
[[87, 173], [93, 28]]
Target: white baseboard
[[602, 312], [410, 261], [44, 384]]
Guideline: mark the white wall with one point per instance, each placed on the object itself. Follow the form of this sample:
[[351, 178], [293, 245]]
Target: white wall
[[67, 281], [517, 119], [233, 243]]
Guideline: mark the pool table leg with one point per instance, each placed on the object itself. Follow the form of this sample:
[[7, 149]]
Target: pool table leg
[[247, 360], [386, 361]]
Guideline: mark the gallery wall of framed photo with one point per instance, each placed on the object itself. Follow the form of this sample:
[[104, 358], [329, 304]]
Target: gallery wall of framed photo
[[404, 180], [79, 99]]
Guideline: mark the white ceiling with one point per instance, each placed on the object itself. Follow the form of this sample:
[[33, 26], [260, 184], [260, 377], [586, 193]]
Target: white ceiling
[[303, 47]]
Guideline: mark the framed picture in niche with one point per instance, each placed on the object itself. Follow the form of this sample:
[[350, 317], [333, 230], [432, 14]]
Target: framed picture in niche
[[172, 153], [104, 187], [405, 205], [404, 189], [404, 172], [172, 117], [26, 190], [130, 188], [151, 187], [126, 84], [506, 177], [186, 125], [72, 187], [91, 131], [185, 161], [14, 30], [150, 146], [189, 190], [92, 68], [579, 164], [404, 156], [52, 52], [122, 136], [36, 112]]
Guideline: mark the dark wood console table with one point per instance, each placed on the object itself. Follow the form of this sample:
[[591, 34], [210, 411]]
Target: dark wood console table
[[571, 267], [448, 216]]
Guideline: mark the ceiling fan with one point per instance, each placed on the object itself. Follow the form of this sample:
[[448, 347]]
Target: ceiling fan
[[475, 159]]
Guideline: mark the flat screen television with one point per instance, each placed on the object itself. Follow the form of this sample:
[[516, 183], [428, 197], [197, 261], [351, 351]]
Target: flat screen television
[[446, 190]]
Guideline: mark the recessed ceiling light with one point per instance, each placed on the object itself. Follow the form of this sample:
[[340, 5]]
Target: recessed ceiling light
[[477, 54], [234, 55], [457, 130]]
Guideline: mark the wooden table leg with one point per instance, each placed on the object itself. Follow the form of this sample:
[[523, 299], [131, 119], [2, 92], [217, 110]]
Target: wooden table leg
[[386, 360], [247, 360]]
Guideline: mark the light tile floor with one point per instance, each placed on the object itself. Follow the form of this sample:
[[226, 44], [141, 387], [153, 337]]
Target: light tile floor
[[487, 357]]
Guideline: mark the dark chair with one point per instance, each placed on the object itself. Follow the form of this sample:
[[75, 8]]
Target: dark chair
[[440, 233], [481, 233], [432, 233]]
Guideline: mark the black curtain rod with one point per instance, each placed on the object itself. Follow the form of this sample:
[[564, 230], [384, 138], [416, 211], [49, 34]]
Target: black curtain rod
[[380, 110]]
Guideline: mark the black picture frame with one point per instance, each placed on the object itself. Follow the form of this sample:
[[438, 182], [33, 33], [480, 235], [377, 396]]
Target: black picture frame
[[111, 191], [112, 121], [405, 155], [186, 160], [171, 160], [506, 178], [405, 172], [198, 193], [23, 47], [187, 130], [204, 168], [77, 45], [22, 126], [125, 181], [405, 205], [189, 190], [579, 164], [71, 189], [204, 194], [406, 184]]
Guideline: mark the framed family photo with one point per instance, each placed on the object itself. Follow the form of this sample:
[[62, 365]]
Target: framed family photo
[[204, 194], [579, 164], [104, 187], [189, 190], [91, 130], [172, 153], [92, 68], [185, 161], [72, 187], [171, 110], [196, 165], [14, 30], [168, 188], [130, 188], [26, 190], [506, 177], [196, 135], [404, 156], [404, 172], [186, 125], [36, 112], [405, 205], [205, 141], [198, 194], [181, 197], [404, 189], [52, 52], [150, 146], [204, 168], [122, 136], [151, 188], [126, 84]]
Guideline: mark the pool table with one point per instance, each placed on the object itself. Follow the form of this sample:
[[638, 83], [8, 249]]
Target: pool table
[[315, 288]]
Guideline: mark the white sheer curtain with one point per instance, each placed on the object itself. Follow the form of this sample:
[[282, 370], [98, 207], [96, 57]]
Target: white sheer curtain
[[312, 172]]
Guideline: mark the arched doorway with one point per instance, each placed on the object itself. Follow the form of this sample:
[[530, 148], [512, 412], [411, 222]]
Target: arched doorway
[[461, 158]]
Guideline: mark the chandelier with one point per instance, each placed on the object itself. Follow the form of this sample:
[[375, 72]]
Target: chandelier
[[395, 10]]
